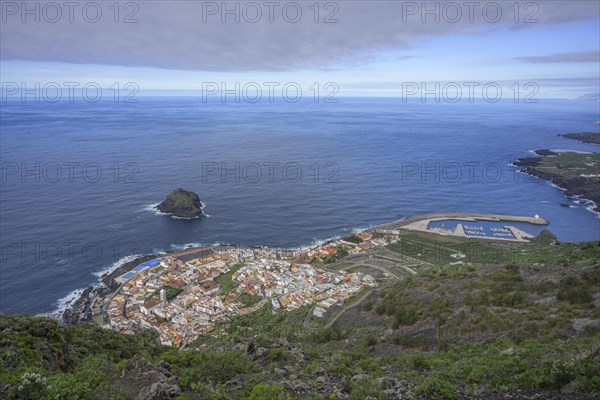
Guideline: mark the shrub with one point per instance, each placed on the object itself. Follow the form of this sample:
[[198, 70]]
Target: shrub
[[370, 340], [325, 335], [277, 354], [591, 330], [569, 281], [352, 239], [546, 236], [559, 373], [364, 390], [68, 387], [419, 362], [312, 367], [267, 392], [575, 295], [219, 367], [32, 386], [543, 287], [405, 316], [434, 387]]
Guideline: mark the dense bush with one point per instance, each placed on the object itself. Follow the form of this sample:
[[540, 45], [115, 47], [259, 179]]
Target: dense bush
[[352, 239], [575, 295], [195, 367], [436, 388]]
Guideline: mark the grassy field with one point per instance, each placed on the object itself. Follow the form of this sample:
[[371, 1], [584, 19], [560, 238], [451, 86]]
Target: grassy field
[[570, 164]]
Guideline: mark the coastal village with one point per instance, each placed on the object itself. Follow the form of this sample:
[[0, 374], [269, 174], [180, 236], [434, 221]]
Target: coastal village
[[180, 296], [188, 294]]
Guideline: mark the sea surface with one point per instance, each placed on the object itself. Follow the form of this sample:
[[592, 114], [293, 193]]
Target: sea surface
[[79, 179]]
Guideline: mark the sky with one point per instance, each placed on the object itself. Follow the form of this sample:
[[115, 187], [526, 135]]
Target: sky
[[358, 47]]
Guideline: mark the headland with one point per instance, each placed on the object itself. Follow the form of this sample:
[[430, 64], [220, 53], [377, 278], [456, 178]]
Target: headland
[[575, 173]]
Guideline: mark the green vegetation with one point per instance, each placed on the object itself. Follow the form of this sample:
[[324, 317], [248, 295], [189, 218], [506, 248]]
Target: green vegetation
[[226, 280], [161, 320], [586, 137], [458, 302], [277, 354], [267, 392], [182, 203], [352, 239], [197, 368], [339, 254], [182, 198], [439, 250], [79, 362], [248, 300], [171, 292], [527, 319], [505, 364]]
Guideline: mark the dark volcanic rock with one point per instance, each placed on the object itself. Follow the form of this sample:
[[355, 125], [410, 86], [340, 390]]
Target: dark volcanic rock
[[182, 203], [79, 310], [527, 394], [150, 382], [584, 137], [545, 152], [528, 162], [534, 161]]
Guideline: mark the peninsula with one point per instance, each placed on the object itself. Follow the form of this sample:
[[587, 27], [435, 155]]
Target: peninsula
[[578, 174], [585, 137], [183, 204]]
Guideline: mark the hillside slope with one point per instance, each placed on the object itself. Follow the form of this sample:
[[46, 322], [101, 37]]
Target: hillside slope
[[493, 329]]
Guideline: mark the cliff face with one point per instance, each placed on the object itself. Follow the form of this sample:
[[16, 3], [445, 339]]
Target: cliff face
[[182, 203]]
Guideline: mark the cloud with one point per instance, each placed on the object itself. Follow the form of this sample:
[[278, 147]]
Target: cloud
[[191, 35], [580, 82], [578, 57]]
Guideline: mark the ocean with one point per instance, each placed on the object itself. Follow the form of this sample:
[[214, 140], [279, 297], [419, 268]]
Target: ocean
[[79, 179]]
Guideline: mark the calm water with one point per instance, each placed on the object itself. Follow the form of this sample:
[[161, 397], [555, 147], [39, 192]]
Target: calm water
[[78, 179], [487, 228]]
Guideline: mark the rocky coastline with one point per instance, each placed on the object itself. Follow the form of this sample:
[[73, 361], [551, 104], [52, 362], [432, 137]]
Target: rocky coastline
[[93, 298], [583, 137], [574, 185]]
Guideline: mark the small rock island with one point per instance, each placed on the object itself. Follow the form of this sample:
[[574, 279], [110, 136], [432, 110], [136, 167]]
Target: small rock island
[[183, 204]]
